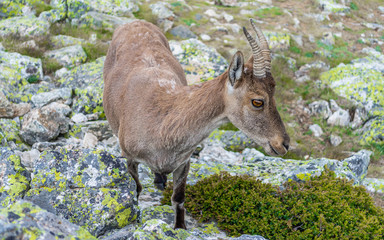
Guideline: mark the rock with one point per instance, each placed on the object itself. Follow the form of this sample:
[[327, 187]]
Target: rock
[[182, 32], [334, 106], [305, 69], [374, 184], [14, 178], [45, 98], [9, 129], [45, 124], [92, 189], [28, 158], [164, 15], [79, 118], [24, 27], [372, 130], [320, 108], [100, 129], [52, 16], [335, 140], [199, 61], [218, 152], [89, 140], [11, 110], [361, 82], [278, 41], [358, 118], [226, 3], [232, 140], [277, 171], [25, 68], [60, 41], [205, 37], [381, 9], [249, 154], [25, 220], [87, 82], [331, 6], [97, 20], [68, 56], [339, 118], [328, 39], [77, 8], [316, 130], [374, 26]]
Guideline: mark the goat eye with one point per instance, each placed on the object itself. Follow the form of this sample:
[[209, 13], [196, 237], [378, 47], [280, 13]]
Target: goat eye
[[257, 103]]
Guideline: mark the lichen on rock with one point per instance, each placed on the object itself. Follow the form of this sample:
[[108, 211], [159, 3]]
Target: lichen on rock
[[90, 188]]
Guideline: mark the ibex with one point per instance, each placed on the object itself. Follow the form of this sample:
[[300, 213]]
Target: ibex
[[160, 120]]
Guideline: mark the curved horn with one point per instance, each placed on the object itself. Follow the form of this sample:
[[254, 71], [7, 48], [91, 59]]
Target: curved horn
[[264, 46], [258, 59]]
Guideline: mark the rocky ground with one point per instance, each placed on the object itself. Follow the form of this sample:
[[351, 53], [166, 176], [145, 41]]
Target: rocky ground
[[60, 171]]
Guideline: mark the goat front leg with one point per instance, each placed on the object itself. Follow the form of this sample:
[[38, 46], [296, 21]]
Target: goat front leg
[[178, 196]]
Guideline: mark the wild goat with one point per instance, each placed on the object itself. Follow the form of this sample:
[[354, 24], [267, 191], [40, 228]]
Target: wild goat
[[160, 120]]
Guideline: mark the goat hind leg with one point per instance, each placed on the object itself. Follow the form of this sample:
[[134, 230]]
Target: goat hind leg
[[133, 169], [178, 196]]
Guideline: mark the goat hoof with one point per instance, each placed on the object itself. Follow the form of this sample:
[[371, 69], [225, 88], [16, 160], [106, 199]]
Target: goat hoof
[[160, 186], [180, 225]]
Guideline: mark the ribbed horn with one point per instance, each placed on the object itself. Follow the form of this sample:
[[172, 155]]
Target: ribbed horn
[[264, 46], [258, 59]]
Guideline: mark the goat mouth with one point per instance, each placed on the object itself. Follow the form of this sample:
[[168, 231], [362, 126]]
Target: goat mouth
[[273, 150]]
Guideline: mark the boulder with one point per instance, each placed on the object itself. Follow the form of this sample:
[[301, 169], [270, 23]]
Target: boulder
[[44, 98], [60, 41], [14, 178], [316, 130], [374, 184], [25, 68], [45, 124], [68, 56], [9, 131], [97, 20], [331, 6], [232, 140], [335, 140], [199, 61], [77, 8], [182, 32], [52, 16], [339, 118], [321, 108], [87, 82], [277, 170], [28, 26], [164, 15], [362, 82], [11, 110], [25, 220], [277, 41], [92, 189]]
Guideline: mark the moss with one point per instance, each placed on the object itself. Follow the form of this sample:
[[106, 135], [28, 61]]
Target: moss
[[322, 207]]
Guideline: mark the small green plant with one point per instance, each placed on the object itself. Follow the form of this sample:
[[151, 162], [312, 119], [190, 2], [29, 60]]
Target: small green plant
[[295, 49], [353, 6], [378, 48], [322, 207], [269, 12], [33, 79]]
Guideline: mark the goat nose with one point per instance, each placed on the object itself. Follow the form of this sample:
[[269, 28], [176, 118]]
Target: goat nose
[[286, 142]]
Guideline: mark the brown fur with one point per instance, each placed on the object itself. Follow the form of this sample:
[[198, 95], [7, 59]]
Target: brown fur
[[159, 119]]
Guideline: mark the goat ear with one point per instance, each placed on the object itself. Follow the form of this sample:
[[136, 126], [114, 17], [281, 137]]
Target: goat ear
[[236, 68]]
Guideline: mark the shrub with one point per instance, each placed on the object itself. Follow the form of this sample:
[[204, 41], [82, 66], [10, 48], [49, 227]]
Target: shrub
[[324, 207]]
